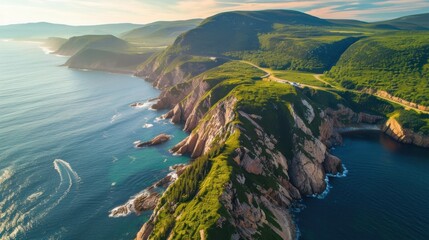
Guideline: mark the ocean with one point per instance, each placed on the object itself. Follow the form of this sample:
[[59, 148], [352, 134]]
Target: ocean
[[384, 195], [66, 147]]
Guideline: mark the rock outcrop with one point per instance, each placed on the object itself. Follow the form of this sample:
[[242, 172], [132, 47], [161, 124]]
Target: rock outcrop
[[170, 69], [394, 129], [200, 141], [387, 95], [162, 138]]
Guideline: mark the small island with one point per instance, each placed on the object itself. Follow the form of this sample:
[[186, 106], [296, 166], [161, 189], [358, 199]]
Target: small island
[[161, 138]]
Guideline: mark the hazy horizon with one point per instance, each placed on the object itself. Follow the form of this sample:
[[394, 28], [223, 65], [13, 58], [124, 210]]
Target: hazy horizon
[[142, 12]]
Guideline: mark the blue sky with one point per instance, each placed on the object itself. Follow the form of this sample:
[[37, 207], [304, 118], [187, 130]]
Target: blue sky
[[85, 12]]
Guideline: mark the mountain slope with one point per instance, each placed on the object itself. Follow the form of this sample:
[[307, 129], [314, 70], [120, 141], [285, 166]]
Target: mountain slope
[[412, 22], [239, 30], [395, 62], [45, 30], [102, 60], [106, 42], [160, 33], [257, 145]]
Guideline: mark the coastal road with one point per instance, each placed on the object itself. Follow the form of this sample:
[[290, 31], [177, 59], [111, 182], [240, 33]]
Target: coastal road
[[270, 75]]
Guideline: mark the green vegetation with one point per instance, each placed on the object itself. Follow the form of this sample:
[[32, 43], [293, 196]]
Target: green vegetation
[[397, 62], [193, 202], [195, 197], [355, 55], [413, 22], [238, 31], [101, 42], [297, 51], [102, 60], [300, 77], [410, 119], [160, 33]]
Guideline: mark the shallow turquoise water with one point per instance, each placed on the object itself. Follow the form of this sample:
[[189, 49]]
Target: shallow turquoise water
[[83, 118], [385, 194]]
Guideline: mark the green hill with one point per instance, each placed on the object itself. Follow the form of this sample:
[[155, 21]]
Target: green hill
[[160, 33], [279, 39], [238, 31], [412, 22], [396, 62], [95, 59], [106, 42], [54, 43]]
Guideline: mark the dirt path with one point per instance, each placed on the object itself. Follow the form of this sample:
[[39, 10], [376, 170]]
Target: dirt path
[[272, 77]]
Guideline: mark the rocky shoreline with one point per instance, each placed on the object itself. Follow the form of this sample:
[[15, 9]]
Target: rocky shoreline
[[303, 174]]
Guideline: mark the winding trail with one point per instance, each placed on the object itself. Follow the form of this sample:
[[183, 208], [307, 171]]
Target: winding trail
[[270, 75]]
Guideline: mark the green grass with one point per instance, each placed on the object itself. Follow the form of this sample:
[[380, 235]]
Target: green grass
[[299, 77], [397, 62], [303, 52], [410, 119]]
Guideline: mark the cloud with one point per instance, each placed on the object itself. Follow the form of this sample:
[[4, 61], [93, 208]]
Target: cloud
[[144, 11], [373, 13]]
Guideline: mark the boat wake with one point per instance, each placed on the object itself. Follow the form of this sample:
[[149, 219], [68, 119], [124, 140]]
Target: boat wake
[[20, 215], [115, 117], [147, 125]]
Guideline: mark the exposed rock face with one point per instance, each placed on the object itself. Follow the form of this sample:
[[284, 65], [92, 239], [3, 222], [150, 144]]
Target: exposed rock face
[[200, 141], [162, 138], [396, 131], [335, 119], [156, 72], [387, 95], [304, 174], [332, 164]]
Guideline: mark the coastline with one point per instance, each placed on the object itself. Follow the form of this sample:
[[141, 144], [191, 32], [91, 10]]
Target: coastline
[[355, 128]]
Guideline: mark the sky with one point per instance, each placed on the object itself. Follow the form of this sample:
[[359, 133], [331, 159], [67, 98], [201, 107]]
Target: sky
[[88, 12]]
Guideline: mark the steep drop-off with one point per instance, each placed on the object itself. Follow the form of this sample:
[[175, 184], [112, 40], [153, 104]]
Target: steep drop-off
[[259, 146]]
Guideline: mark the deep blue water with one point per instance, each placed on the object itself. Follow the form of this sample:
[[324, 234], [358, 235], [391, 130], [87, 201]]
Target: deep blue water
[[385, 194], [83, 119]]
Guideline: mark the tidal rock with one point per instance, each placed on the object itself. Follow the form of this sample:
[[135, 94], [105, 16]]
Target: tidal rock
[[332, 164], [162, 138], [395, 130]]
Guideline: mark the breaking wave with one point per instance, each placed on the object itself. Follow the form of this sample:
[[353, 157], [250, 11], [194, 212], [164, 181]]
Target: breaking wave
[[329, 186]]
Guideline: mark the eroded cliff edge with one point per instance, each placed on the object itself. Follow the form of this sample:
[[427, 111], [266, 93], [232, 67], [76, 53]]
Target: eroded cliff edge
[[258, 147]]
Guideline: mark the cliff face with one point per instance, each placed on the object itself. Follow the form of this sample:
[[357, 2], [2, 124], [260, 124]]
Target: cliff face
[[386, 95], [394, 129], [264, 177], [167, 70], [257, 147]]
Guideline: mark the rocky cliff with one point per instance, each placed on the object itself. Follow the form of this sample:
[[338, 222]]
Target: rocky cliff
[[270, 155], [394, 129], [387, 95], [169, 69], [257, 148]]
